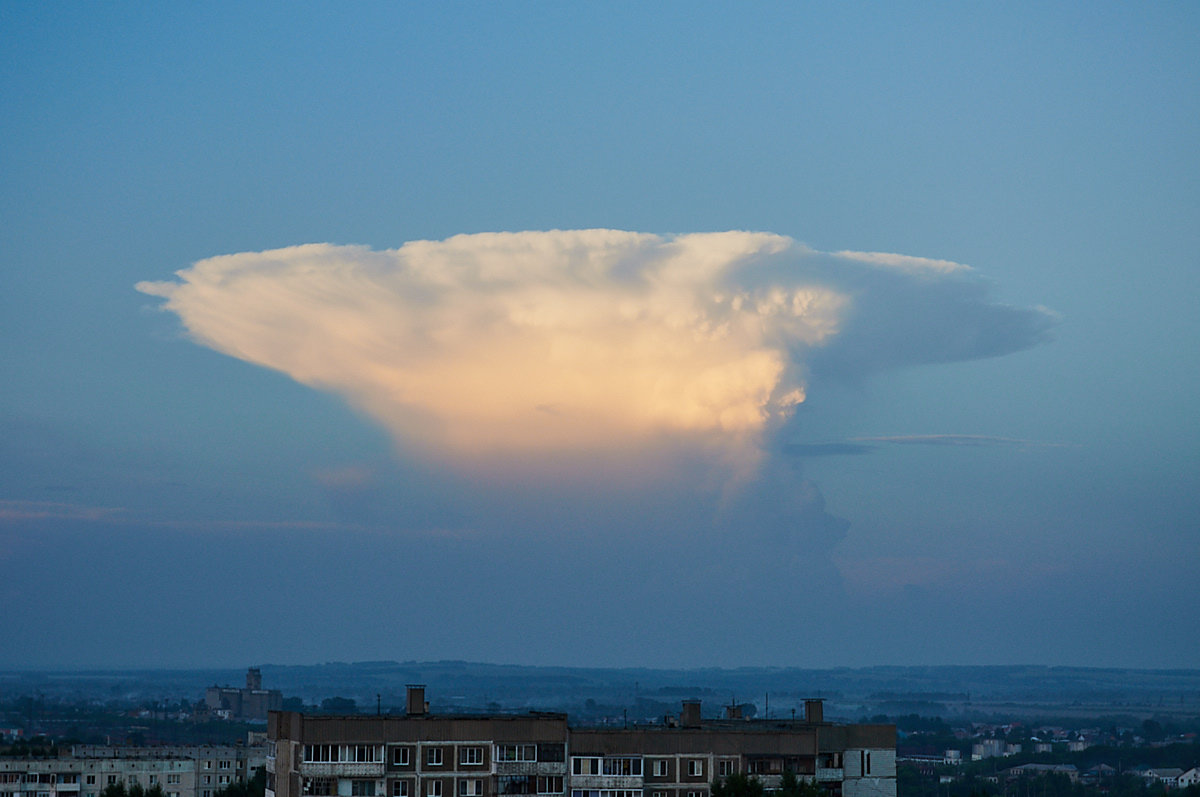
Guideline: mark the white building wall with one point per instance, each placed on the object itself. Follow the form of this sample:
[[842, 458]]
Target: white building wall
[[869, 773]]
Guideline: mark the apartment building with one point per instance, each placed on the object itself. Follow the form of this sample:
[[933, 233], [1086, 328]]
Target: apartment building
[[541, 755], [183, 771]]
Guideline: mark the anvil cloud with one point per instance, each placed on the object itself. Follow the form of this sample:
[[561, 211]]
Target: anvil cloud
[[586, 340]]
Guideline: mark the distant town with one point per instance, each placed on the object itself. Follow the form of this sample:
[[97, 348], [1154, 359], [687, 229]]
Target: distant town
[[456, 729]]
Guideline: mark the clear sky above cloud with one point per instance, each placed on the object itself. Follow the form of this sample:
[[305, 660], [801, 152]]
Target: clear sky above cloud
[[486, 370]]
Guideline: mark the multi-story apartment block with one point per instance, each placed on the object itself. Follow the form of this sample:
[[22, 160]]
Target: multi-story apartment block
[[540, 755], [186, 771]]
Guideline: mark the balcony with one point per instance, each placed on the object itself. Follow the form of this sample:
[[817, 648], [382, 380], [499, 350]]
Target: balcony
[[342, 770]]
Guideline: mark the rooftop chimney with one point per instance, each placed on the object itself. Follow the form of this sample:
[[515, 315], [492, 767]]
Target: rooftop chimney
[[814, 711], [689, 717], [417, 707]]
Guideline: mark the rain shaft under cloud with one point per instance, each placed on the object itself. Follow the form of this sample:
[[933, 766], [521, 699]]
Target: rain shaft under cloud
[[559, 343]]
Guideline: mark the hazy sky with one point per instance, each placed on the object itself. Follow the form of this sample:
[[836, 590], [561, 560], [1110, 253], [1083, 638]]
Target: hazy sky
[[697, 334]]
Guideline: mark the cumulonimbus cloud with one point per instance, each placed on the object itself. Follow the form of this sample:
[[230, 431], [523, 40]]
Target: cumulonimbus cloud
[[585, 340]]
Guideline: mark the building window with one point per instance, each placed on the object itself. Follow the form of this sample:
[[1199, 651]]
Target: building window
[[399, 788], [207, 779], [549, 784], [110, 780], [470, 787], [516, 784], [320, 786], [585, 766], [91, 780], [433, 788], [695, 794], [400, 756], [362, 788], [554, 752], [343, 754], [659, 767], [660, 794], [206, 793], [433, 757], [208, 765], [725, 768], [623, 766], [470, 755], [695, 769], [223, 765], [516, 752], [172, 778], [153, 779], [223, 780]]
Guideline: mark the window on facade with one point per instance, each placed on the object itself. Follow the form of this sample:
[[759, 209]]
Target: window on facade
[[516, 752], [172, 778], [224, 764], [470, 755], [549, 784], [658, 767], [110, 780], [345, 753], [400, 756], [725, 768], [433, 757], [206, 793], [320, 786], [399, 788], [516, 784], [585, 766], [223, 780], [624, 766], [91, 780], [153, 779], [207, 779], [695, 794], [362, 788], [208, 765], [552, 752], [433, 788], [695, 767], [470, 787]]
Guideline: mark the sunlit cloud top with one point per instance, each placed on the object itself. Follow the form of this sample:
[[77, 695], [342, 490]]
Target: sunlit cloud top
[[587, 339]]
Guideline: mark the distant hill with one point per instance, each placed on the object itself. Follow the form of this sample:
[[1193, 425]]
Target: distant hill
[[641, 693]]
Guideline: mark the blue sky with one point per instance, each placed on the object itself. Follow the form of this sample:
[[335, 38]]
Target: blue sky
[[171, 500]]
